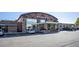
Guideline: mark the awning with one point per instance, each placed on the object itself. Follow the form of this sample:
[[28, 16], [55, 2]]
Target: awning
[[8, 24], [46, 23]]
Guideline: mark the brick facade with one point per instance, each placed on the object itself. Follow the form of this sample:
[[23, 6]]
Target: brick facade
[[8, 26], [35, 15]]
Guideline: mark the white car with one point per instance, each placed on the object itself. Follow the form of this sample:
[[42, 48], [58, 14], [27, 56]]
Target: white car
[[1, 32], [31, 31]]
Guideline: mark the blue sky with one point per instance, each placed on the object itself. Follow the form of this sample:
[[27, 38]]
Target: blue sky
[[63, 17], [66, 17], [10, 15]]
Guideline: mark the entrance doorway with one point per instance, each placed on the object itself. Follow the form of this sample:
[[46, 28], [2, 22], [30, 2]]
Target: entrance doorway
[[29, 25], [4, 28]]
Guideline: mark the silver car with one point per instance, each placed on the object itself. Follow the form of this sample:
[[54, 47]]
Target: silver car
[[31, 31], [1, 32]]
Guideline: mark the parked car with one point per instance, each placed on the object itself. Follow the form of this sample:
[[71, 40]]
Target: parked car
[[1, 32], [31, 31], [69, 29]]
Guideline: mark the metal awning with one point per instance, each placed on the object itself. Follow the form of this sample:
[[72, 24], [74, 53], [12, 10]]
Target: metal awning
[[8, 24], [46, 23]]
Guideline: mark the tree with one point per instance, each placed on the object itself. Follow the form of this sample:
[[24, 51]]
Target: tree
[[77, 21]]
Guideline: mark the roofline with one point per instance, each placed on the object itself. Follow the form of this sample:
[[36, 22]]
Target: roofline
[[36, 12]]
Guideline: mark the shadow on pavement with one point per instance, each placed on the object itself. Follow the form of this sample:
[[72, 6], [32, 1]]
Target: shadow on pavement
[[25, 34]]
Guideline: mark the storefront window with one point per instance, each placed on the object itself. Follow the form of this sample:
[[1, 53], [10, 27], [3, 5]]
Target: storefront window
[[29, 23], [42, 21]]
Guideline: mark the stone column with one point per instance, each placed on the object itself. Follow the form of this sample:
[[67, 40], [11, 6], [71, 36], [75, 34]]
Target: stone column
[[45, 26], [24, 25], [38, 21]]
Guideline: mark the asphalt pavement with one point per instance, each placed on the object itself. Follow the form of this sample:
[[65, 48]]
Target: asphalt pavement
[[60, 39]]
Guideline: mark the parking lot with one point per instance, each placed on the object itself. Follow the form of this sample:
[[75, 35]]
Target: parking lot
[[60, 39]]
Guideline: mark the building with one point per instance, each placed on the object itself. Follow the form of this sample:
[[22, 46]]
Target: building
[[8, 26], [47, 27], [67, 26], [43, 22]]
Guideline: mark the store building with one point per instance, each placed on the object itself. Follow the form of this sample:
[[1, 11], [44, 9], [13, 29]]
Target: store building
[[40, 22], [8, 26], [43, 22]]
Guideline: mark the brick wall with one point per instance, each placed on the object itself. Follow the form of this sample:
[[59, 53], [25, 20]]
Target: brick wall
[[12, 29]]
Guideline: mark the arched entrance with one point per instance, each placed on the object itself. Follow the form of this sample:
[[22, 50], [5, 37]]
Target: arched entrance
[[35, 18]]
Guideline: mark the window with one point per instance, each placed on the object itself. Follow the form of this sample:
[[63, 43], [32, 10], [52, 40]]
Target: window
[[29, 23], [42, 21]]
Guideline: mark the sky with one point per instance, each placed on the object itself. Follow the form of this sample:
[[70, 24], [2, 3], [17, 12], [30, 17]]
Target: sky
[[63, 17]]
